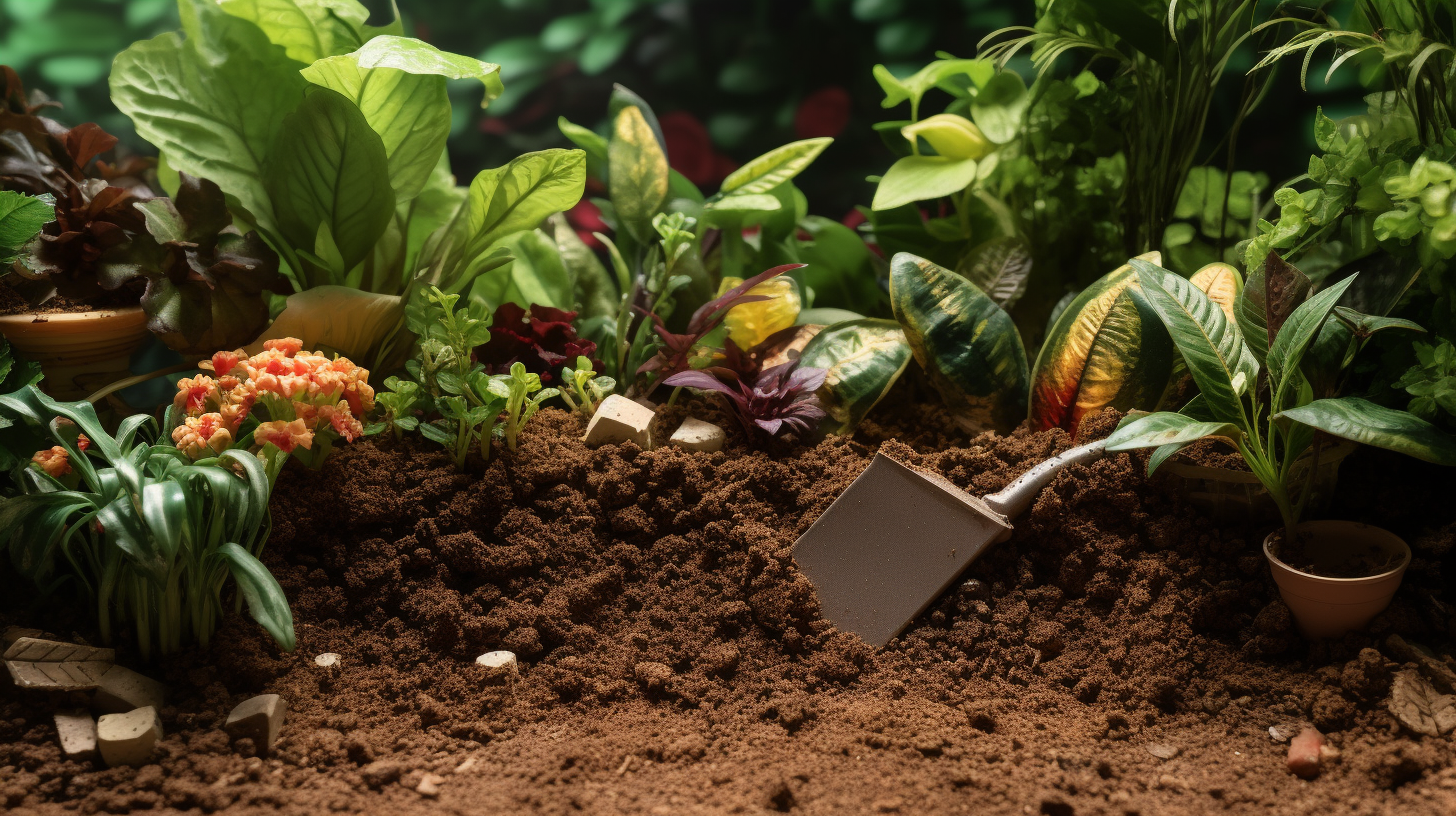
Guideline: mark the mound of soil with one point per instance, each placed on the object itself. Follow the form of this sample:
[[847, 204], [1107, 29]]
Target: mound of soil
[[1120, 654]]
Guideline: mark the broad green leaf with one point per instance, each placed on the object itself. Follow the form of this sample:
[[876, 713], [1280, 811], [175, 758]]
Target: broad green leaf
[[1250, 315], [398, 83], [773, 168], [435, 206], [1364, 325], [863, 359], [1104, 350], [1297, 333], [328, 169], [308, 30], [1164, 428], [920, 178], [522, 194], [21, 217], [952, 136], [840, 269], [337, 318], [1210, 343], [536, 275], [998, 109], [262, 593], [637, 172], [965, 342], [1000, 267], [1363, 421], [595, 289], [213, 103], [914, 87]]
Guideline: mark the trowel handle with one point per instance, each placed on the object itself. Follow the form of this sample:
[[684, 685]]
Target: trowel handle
[[1012, 500]]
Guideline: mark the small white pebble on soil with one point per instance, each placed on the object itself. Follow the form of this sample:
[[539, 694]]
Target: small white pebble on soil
[[1163, 750], [465, 766], [498, 664], [697, 435], [1284, 732], [1304, 753], [77, 732], [327, 660], [430, 785], [258, 719], [128, 739], [619, 419], [122, 690]]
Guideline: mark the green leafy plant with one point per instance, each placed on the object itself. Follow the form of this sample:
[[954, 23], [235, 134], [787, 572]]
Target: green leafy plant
[[450, 383], [1431, 383], [21, 219], [398, 407], [335, 154], [523, 396], [148, 535], [582, 388], [1260, 399]]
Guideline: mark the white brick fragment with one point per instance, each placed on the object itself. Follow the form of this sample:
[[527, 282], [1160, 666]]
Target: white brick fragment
[[619, 419], [128, 739]]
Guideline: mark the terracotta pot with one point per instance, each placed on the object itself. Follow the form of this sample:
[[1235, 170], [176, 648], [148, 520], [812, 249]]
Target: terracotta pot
[[1330, 607], [78, 351]]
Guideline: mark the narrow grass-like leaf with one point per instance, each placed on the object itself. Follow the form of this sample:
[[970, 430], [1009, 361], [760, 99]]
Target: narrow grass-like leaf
[[262, 593]]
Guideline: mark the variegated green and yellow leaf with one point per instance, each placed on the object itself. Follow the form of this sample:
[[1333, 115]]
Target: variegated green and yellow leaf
[[862, 359]]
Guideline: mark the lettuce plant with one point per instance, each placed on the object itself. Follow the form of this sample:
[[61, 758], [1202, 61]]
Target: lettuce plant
[[335, 154], [1259, 397], [582, 388], [148, 534]]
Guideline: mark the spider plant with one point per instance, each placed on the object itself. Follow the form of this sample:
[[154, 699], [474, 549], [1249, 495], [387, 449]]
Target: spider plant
[[148, 535]]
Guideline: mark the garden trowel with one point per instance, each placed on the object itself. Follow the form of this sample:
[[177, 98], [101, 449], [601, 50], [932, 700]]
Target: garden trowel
[[897, 538]]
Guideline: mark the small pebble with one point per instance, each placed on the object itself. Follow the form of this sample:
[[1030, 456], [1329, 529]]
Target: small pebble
[[128, 739], [1305, 754], [327, 660], [498, 664], [697, 435], [1163, 750], [258, 719], [77, 732], [429, 786], [619, 419], [465, 766], [1284, 732]]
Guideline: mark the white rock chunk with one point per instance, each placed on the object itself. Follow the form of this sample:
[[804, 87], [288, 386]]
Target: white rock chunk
[[697, 435], [259, 719], [499, 664], [122, 690], [327, 660], [128, 739], [619, 419], [77, 730]]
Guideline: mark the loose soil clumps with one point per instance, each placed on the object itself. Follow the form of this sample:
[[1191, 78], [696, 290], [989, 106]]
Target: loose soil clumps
[[1120, 654]]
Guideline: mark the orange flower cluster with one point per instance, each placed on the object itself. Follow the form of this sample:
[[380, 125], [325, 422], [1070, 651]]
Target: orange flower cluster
[[56, 461], [304, 393]]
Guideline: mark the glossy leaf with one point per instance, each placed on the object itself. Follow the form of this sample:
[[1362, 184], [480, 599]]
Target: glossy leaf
[[262, 593], [1106, 349], [340, 318], [965, 342], [1211, 344], [998, 109], [774, 167], [1001, 267], [951, 136], [522, 194], [328, 170], [1298, 331], [919, 178], [398, 83], [862, 360], [749, 324], [1164, 428], [1360, 420], [308, 30], [1223, 285], [637, 172], [21, 217]]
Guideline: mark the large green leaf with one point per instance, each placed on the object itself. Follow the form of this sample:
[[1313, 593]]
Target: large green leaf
[[1211, 344], [536, 275], [840, 269], [1163, 428], [863, 359], [965, 342], [998, 109], [212, 103], [308, 30], [522, 194], [21, 217], [1296, 334], [1363, 421], [261, 591], [919, 178], [774, 167], [328, 170], [1001, 267], [398, 83], [595, 289], [636, 172]]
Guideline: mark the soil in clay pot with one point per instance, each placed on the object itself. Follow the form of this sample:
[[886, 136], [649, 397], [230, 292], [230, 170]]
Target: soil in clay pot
[[12, 303], [1118, 655]]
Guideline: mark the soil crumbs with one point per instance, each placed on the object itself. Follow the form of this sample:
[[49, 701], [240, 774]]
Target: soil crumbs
[[1120, 654]]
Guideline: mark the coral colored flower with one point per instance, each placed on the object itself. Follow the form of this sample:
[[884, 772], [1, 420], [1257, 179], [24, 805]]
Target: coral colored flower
[[360, 396], [305, 411], [285, 435], [288, 345], [233, 413], [224, 362], [202, 436], [82, 442], [55, 461], [342, 420], [193, 394]]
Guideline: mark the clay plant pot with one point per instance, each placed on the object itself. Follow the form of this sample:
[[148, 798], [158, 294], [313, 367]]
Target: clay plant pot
[[1330, 607], [1237, 497], [78, 351]]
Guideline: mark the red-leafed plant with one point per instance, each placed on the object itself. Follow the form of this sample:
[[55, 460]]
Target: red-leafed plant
[[773, 401], [541, 338]]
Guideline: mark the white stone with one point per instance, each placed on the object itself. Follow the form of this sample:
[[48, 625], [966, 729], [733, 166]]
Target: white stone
[[122, 689], [259, 719], [128, 739], [619, 419], [77, 730], [697, 435], [327, 660], [498, 664]]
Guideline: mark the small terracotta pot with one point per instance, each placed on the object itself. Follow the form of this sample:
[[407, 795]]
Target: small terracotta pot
[[78, 351], [1330, 607]]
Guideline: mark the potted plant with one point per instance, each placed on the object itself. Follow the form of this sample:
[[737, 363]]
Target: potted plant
[[1334, 575]]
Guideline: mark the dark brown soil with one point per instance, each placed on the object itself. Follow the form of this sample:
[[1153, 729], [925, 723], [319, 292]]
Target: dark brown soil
[[12, 303], [673, 661]]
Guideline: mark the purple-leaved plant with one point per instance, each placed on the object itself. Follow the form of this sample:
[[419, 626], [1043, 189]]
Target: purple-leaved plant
[[775, 400]]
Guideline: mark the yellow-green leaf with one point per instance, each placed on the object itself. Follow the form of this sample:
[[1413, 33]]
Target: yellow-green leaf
[[952, 136], [863, 359], [636, 172]]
